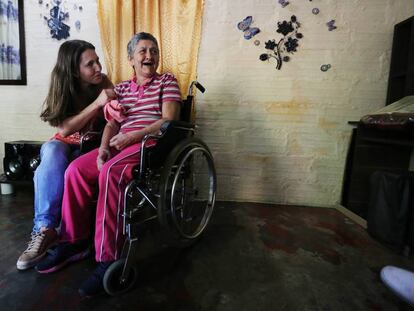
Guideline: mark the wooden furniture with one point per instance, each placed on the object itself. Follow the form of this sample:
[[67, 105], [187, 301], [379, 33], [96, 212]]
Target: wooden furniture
[[401, 76], [379, 149], [372, 150]]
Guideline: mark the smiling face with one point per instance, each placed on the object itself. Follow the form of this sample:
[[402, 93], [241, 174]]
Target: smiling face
[[145, 59], [90, 68]]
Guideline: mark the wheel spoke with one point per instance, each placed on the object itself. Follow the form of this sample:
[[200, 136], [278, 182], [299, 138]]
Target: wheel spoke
[[190, 191]]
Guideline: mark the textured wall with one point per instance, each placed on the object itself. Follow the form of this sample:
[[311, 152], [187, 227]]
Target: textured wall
[[20, 106], [282, 136], [277, 136]]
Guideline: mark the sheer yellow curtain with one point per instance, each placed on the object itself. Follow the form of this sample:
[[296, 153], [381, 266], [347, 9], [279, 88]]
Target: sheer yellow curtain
[[175, 23]]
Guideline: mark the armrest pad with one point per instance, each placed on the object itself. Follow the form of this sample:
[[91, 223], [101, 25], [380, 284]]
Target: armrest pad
[[91, 135], [172, 132], [90, 140], [176, 124]]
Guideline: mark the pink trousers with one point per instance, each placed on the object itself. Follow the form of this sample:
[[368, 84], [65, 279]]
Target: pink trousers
[[83, 181]]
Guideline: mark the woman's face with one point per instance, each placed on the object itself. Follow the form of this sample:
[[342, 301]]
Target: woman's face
[[145, 59], [90, 68]]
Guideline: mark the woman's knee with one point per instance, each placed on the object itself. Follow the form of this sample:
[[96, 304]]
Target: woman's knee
[[108, 174], [112, 175], [82, 168], [74, 168], [54, 150], [104, 173], [54, 158]]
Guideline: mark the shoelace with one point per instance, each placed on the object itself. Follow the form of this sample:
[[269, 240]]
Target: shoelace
[[35, 242]]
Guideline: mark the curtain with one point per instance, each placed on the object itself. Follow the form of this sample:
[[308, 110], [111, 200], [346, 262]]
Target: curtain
[[9, 40], [175, 23]]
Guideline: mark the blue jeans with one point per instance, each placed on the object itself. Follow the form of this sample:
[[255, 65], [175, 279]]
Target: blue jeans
[[48, 180]]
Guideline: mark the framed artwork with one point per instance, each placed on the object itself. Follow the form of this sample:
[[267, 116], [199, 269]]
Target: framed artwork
[[12, 43]]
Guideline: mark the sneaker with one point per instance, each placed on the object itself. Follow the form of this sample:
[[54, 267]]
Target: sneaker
[[61, 255], [400, 282], [40, 242], [93, 285]]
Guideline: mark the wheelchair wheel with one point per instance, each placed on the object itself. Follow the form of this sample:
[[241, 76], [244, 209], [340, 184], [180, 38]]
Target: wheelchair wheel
[[112, 282], [187, 189]]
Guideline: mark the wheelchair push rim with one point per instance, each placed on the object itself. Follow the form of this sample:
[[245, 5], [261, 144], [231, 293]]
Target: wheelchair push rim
[[189, 187]]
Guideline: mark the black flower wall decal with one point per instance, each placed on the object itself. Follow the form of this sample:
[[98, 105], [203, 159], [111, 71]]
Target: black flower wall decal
[[270, 45], [284, 28], [264, 57], [291, 45], [288, 44]]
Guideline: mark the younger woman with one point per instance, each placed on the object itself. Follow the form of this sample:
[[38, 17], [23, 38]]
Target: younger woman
[[77, 92]]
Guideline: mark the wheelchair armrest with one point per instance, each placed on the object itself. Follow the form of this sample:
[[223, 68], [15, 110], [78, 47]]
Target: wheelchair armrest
[[172, 124], [89, 140], [171, 132]]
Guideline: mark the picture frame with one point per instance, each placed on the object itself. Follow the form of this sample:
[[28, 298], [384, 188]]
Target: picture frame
[[12, 43]]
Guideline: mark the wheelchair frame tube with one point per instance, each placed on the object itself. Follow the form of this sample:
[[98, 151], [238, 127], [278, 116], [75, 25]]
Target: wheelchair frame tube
[[142, 164], [146, 137], [142, 160]]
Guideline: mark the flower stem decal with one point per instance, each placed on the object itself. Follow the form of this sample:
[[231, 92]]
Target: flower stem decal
[[287, 44]]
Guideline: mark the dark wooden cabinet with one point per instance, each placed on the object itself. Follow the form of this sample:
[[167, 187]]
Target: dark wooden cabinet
[[380, 149], [373, 150], [401, 77]]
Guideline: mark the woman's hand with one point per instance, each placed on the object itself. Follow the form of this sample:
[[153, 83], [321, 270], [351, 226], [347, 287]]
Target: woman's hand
[[105, 96], [121, 140], [103, 156]]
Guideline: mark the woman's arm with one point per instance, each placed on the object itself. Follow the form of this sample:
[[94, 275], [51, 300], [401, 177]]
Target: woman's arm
[[111, 129], [76, 123], [170, 111]]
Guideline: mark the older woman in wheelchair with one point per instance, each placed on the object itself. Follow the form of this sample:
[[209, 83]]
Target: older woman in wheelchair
[[148, 169]]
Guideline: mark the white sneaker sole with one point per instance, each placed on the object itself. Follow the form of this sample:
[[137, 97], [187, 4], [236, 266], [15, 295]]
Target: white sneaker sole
[[24, 265], [400, 282]]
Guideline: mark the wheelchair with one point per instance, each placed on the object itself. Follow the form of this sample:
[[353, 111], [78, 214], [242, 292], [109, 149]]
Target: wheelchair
[[173, 191]]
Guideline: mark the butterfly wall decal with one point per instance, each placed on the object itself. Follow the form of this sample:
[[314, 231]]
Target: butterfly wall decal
[[331, 25], [244, 25], [283, 3]]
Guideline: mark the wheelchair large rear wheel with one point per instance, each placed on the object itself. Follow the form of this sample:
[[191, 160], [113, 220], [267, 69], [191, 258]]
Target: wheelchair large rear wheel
[[187, 189]]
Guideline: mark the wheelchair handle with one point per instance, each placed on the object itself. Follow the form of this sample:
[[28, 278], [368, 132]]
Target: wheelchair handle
[[197, 85]]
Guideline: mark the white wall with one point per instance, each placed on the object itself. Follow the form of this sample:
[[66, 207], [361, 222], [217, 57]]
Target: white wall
[[282, 136], [20, 106], [277, 136]]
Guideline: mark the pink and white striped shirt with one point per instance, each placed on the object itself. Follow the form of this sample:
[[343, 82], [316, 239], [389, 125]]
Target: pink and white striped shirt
[[143, 103]]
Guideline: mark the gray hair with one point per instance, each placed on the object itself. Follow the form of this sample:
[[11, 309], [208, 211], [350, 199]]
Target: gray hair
[[136, 38]]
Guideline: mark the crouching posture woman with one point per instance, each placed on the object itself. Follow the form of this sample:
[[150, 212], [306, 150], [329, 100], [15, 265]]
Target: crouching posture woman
[[145, 101], [78, 90]]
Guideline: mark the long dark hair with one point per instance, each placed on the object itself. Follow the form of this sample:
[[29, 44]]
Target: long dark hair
[[60, 102]]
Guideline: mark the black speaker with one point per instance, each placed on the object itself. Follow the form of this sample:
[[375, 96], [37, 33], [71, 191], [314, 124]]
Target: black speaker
[[21, 159]]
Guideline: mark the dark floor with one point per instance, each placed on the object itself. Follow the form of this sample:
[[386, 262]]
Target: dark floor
[[253, 257]]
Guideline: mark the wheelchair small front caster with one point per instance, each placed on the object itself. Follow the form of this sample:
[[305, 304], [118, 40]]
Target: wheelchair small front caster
[[112, 282]]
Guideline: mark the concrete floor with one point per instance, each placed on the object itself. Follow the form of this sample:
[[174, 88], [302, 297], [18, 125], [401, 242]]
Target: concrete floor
[[253, 257]]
